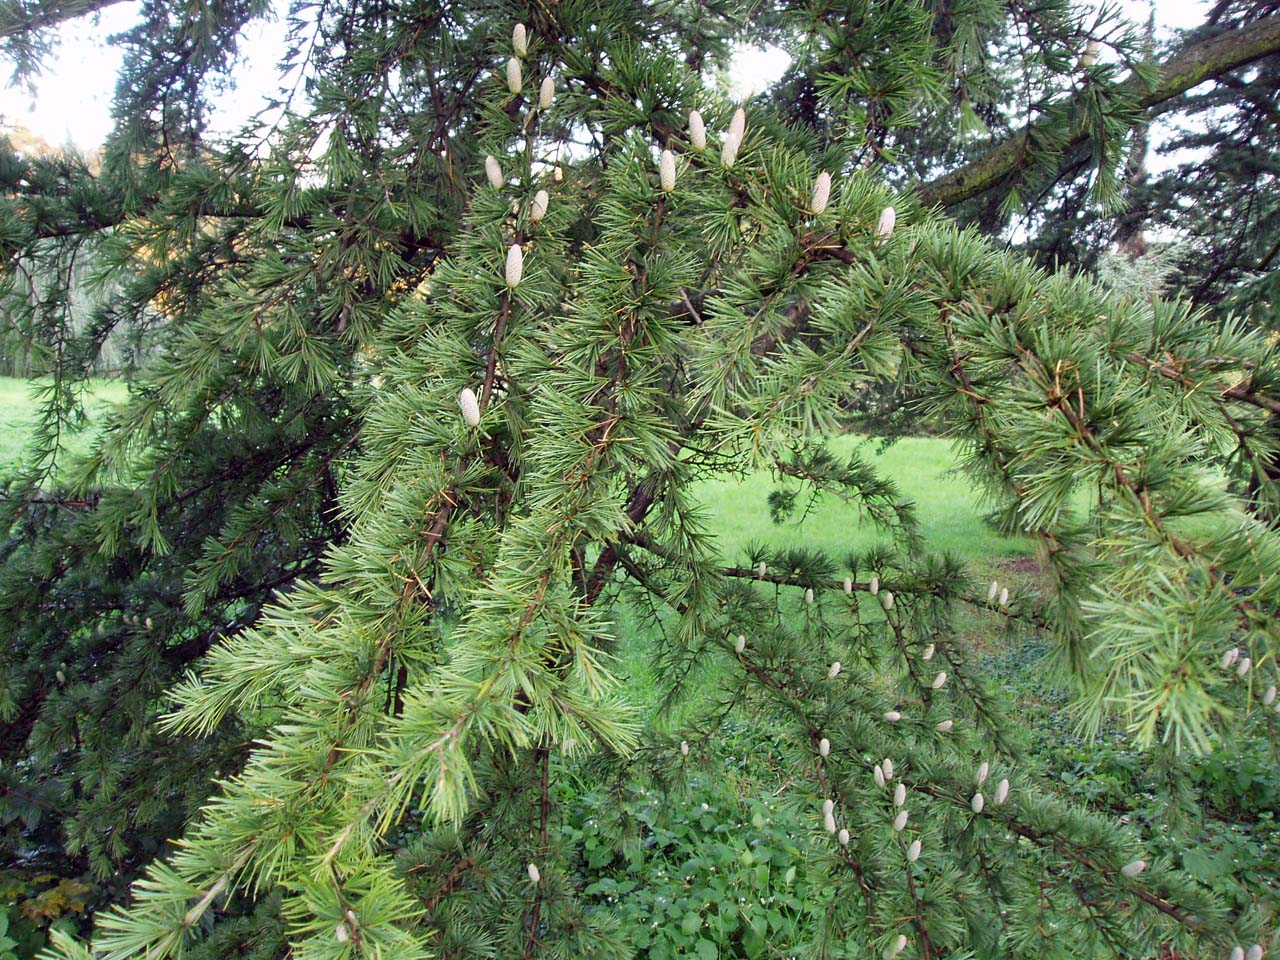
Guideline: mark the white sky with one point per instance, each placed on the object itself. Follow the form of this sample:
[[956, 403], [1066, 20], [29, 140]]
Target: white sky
[[73, 96]]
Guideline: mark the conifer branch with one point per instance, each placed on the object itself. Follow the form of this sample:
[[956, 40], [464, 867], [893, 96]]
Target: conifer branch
[[1190, 66]]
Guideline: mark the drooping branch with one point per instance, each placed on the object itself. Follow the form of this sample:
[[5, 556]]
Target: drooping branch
[[1189, 67], [19, 18]]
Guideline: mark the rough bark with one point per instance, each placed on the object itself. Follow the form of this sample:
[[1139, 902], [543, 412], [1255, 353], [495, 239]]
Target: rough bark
[[1189, 67]]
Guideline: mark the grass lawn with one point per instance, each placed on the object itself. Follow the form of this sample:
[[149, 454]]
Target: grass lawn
[[948, 506], [19, 411]]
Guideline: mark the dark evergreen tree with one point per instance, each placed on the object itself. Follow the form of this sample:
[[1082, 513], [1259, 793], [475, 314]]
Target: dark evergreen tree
[[440, 367]]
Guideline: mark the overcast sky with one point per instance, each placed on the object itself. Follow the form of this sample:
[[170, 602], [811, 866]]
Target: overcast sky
[[72, 101]]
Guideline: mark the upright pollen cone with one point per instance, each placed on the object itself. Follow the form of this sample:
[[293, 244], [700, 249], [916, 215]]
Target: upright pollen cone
[[1004, 596], [874, 585], [824, 747], [546, 92], [939, 680], [738, 125], [534, 875], [993, 590], [1090, 54], [493, 170], [697, 131], [834, 671], [515, 266], [470, 407], [888, 217], [729, 150], [977, 803], [667, 171], [1002, 791], [519, 40], [515, 79], [740, 644], [821, 192], [913, 851], [848, 585], [1133, 868], [538, 206]]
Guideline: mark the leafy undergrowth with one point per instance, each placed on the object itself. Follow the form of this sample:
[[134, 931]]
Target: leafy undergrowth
[[1215, 816], [719, 867]]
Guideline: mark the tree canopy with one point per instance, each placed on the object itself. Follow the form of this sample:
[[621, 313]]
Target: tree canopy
[[430, 370]]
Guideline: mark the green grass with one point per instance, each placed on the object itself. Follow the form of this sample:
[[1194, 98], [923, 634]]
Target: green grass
[[949, 509], [948, 506], [19, 412]]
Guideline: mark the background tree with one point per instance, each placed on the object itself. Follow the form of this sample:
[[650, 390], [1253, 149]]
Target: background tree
[[439, 661]]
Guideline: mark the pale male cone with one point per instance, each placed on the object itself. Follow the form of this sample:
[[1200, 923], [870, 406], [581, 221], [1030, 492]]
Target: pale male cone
[[493, 170], [821, 193], [667, 171], [697, 131], [738, 125], [470, 407], [538, 206], [888, 217], [515, 266], [729, 150]]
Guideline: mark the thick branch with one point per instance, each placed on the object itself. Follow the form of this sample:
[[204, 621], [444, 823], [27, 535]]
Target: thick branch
[[1187, 68]]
